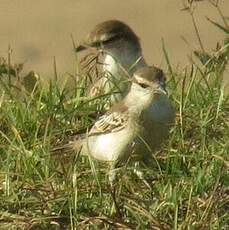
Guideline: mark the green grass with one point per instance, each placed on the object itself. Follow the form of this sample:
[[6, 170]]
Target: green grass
[[189, 182], [189, 178]]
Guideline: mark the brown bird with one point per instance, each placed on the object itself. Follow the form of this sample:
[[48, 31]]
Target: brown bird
[[136, 126], [121, 57]]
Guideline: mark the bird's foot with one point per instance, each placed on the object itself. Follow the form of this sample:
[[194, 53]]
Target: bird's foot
[[113, 185], [140, 175]]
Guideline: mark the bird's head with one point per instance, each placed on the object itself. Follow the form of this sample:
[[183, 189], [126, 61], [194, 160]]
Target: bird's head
[[109, 35], [150, 79], [148, 84]]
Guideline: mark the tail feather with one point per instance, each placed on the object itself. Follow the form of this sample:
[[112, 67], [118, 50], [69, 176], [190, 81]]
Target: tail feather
[[73, 146]]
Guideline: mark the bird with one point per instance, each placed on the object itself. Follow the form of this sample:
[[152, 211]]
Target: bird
[[127, 129], [121, 57]]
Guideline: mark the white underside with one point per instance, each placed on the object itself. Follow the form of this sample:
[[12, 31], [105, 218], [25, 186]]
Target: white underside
[[111, 146]]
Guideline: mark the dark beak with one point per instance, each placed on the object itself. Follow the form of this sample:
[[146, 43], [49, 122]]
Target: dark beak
[[80, 48], [163, 89]]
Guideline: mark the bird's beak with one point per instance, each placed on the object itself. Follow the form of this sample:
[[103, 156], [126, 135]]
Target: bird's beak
[[162, 90], [165, 91], [80, 48]]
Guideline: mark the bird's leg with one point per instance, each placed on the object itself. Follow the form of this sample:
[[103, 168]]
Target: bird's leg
[[140, 174], [112, 177]]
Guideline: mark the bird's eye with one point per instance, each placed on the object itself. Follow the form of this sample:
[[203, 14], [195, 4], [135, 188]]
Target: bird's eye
[[143, 85]]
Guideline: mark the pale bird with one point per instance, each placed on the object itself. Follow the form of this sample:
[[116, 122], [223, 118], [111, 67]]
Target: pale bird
[[135, 126], [121, 57]]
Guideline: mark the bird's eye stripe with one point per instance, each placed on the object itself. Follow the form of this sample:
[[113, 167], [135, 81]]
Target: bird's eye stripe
[[143, 85]]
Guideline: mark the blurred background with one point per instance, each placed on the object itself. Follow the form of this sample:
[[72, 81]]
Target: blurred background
[[39, 30]]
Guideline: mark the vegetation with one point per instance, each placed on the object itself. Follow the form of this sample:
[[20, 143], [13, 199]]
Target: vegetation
[[189, 181]]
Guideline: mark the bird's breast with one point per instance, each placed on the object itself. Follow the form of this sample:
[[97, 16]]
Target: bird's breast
[[113, 146], [110, 65], [157, 120]]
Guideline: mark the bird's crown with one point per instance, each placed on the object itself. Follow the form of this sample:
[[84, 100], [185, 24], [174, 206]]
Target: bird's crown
[[109, 31], [149, 74]]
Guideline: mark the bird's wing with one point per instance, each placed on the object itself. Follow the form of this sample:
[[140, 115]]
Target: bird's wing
[[110, 122]]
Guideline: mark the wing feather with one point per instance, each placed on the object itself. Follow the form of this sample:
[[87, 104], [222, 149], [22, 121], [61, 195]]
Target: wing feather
[[110, 122]]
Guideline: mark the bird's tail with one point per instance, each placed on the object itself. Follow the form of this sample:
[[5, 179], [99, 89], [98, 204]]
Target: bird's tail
[[72, 147]]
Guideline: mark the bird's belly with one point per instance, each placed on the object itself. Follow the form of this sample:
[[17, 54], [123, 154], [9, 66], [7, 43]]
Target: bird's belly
[[110, 147]]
